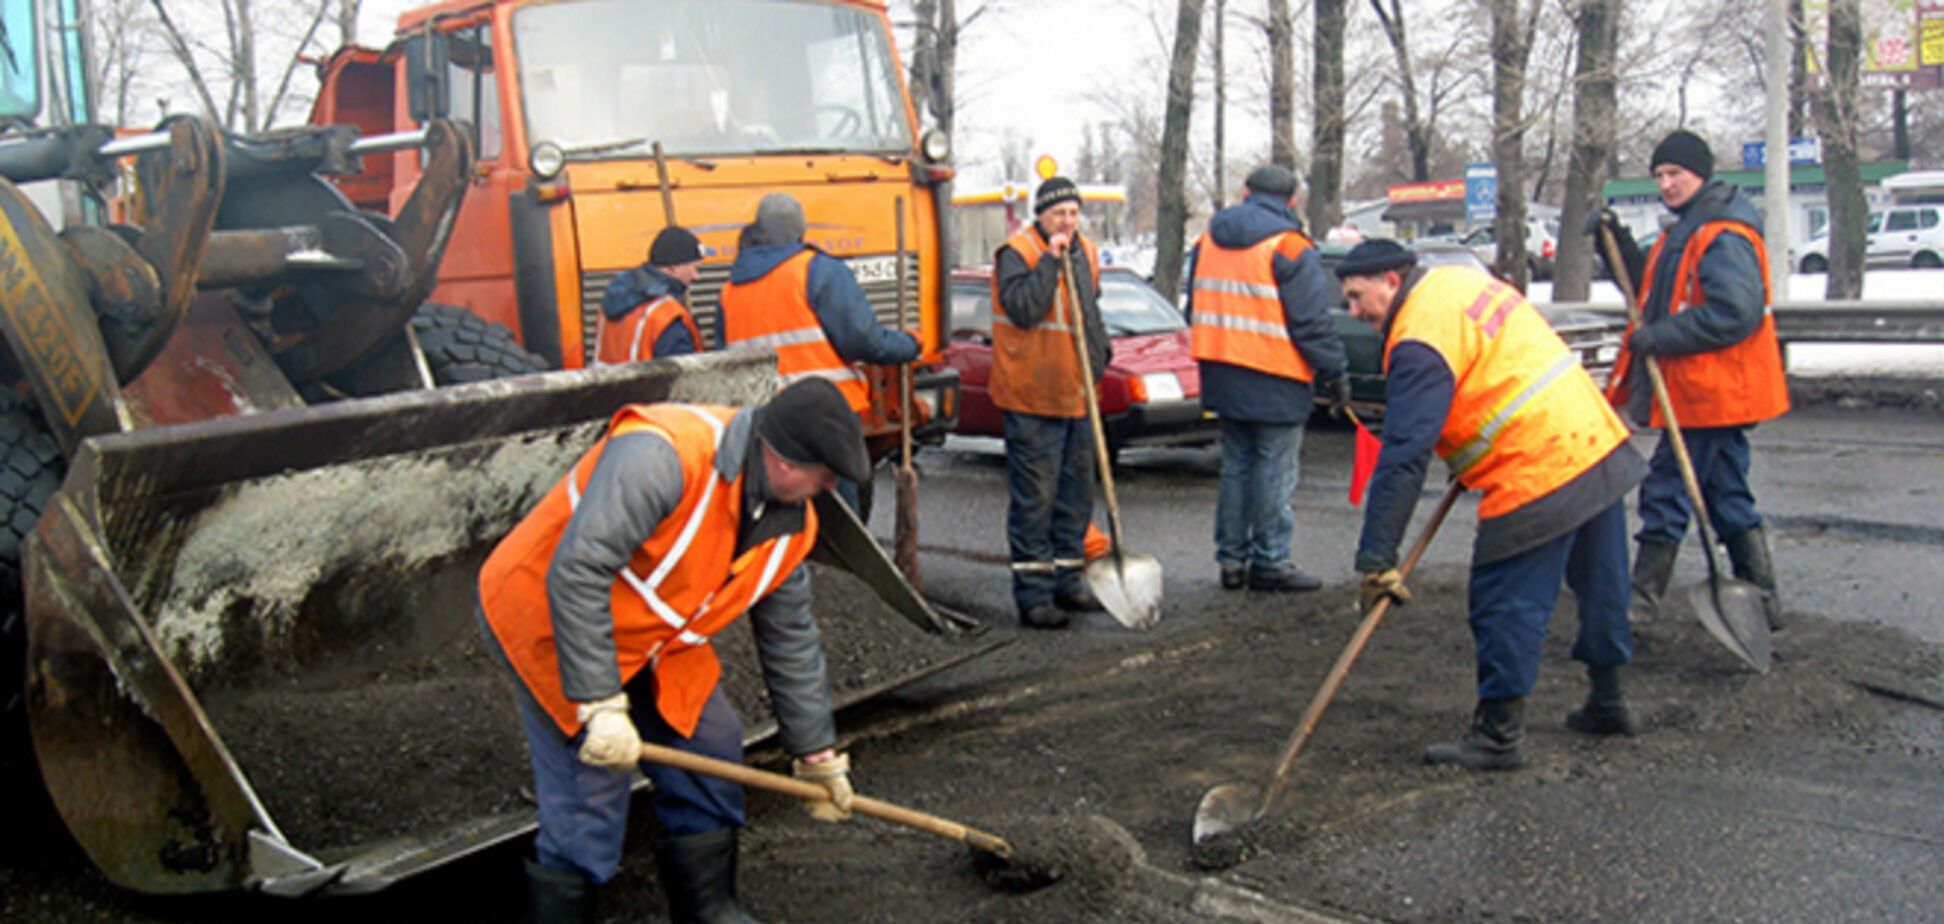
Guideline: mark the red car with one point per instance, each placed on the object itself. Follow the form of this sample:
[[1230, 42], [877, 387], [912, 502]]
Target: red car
[[1151, 393]]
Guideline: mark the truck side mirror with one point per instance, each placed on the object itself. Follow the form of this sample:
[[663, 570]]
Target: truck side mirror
[[427, 61]]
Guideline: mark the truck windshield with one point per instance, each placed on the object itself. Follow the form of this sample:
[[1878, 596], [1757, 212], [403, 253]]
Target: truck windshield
[[19, 60], [605, 78]]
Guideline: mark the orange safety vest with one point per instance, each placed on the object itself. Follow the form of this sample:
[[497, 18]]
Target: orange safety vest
[[1525, 417], [1734, 386], [632, 338], [1238, 312], [775, 312], [1034, 370], [682, 586]]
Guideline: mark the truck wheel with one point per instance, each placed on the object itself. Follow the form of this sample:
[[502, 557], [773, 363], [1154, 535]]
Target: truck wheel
[[462, 347], [31, 469]]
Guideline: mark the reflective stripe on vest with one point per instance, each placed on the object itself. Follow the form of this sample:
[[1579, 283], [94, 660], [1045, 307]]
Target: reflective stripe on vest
[[1034, 369], [1525, 418], [1238, 315], [773, 312], [632, 337]]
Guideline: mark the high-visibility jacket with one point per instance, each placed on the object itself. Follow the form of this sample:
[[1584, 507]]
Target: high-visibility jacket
[[774, 311], [1238, 317], [1734, 386], [1525, 417], [1034, 370], [632, 337], [682, 586]]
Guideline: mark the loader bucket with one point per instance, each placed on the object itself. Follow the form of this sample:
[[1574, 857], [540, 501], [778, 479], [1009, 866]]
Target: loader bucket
[[254, 657]]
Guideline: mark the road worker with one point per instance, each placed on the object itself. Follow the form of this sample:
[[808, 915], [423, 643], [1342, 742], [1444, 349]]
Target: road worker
[[645, 312], [1475, 374], [604, 600], [1259, 313], [1036, 384]]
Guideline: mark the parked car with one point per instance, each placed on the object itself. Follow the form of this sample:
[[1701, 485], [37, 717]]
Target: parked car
[[1907, 235], [1150, 394], [1595, 338], [1542, 240]]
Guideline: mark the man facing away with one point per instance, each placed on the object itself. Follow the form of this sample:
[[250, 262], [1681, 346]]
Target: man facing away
[[645, 312]]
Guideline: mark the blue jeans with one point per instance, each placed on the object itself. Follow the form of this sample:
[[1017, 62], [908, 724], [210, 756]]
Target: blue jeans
[[1721, 459], [1512, 601], [1260, 465], [1049, 483]]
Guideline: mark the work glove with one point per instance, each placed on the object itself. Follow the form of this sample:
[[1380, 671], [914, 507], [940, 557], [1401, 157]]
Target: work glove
[[834, 776], [1641, 341], [1340, 395], [1634, 263], [610, 739], [1380, 584]]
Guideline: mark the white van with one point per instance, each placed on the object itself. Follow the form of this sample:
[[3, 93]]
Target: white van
[[1906, 235]]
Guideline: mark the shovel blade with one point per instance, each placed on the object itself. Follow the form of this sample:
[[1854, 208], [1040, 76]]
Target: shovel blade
[[1226, 808], [1128, 587], [1733, 612]]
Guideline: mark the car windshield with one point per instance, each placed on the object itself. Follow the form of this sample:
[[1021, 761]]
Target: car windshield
[[607, 78], [1130, 306]]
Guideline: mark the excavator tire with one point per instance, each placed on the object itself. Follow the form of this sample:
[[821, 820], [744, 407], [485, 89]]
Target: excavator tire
[[31, 469], [462, 347]]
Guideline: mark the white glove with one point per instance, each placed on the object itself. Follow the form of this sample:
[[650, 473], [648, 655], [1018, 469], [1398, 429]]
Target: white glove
[[611, 740], [832, 775]]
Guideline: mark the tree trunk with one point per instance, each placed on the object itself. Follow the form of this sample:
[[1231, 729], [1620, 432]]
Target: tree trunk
[[1798, 73], [1221, 103], [1595, 118], [1282, 87], [945, 85], [347, 21], [924, 54], [1415, 133], [1171, 200], [1326, 123], [1511, 42], [245, 65], [1836, 117]]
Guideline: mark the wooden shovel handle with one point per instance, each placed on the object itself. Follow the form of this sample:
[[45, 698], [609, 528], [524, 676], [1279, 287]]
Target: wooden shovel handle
[[811, 792]]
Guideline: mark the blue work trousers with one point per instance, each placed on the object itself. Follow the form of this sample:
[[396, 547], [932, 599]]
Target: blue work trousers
[[1253, 522], [584, 809], [1721, 458], [1050, 484], [1512, 601]]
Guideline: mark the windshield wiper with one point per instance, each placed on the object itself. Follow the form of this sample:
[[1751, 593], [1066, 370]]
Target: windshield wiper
[[610, 147]]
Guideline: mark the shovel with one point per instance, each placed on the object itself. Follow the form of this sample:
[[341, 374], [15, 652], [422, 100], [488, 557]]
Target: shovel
[[1127, 586], [1731, 610], [1232, 805]]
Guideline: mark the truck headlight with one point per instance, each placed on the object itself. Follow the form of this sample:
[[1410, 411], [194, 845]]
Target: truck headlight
[[547, 160], [936, 146]]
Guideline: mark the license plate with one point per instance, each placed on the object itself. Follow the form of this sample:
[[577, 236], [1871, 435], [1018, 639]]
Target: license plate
[[874, 269]]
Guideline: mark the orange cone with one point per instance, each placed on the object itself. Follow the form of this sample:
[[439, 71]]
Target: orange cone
[[1096, 544]]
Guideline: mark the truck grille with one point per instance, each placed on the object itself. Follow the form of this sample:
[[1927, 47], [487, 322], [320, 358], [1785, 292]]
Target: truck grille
[[705, 297]]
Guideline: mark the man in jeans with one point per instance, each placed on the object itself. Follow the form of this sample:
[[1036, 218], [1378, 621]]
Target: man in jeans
[[1259, 314]]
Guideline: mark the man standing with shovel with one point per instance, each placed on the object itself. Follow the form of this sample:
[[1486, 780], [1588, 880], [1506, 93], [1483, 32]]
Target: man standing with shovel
[[1476, 374]]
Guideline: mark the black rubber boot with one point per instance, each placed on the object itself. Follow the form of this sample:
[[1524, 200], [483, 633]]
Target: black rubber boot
[[1749, 554], [698, 871], [1492, 743], [1282, 579], [1044, 616], [1605, 712], [559, 896], [1653, 568]]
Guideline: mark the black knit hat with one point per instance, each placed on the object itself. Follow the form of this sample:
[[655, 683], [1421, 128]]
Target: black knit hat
[[674, 246], [1272, 180], [810, 423], [1053, 192], [1374, 256], [1684, 148]]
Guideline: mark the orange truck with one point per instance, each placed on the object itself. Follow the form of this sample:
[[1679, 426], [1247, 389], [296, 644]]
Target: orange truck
[[569, 101]]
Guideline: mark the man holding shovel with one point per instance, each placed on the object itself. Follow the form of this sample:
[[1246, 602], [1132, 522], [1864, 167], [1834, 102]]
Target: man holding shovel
[[1705, 316], [1036, 383], [603, 601], [1475, 373]]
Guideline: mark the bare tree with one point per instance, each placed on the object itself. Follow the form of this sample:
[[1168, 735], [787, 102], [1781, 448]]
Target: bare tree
[[1417, 134], [1282, 85], [934, 59], [1325, 204], [1015, 153], [1836, 120], [1171, 202], [1594, 126], [1221, 104], [1512, 30], [346, 20], [121, 41], [244, 32]]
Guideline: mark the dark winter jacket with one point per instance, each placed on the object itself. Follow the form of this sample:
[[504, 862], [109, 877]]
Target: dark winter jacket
[[1306, 291], [642, 284], [837, 300]]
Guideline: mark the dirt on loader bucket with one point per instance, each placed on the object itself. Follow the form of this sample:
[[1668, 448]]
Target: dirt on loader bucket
[[254, 656]]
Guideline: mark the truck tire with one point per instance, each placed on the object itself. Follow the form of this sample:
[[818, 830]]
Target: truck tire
[[463, 347], [31, 469]]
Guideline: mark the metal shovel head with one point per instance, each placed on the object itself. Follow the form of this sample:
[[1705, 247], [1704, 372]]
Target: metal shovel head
[[1734, 614], [1226, 808], [1128, 587]]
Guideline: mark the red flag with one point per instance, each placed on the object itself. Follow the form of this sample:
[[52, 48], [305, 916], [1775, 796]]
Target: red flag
[[1363, 463]]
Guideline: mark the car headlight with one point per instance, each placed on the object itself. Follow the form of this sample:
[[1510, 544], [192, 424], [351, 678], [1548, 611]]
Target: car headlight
[[936, 146], [1162, 386], [547, 160]]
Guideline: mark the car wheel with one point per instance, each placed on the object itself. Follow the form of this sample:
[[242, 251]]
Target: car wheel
[[1815, 263], [1926, 260]]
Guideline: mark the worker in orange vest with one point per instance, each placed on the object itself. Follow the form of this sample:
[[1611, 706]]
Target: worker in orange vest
[[604, 601], [1474, 373], [806, 305], [1705, 315], [1036, 383], [644, 311]]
